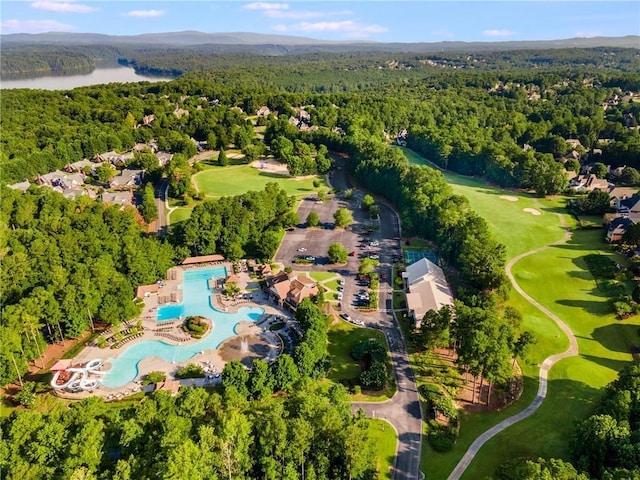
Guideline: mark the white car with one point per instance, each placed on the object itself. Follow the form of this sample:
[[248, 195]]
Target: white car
[[375, 243], [339, 295], [302, 249], [346, 316], [374, 257]]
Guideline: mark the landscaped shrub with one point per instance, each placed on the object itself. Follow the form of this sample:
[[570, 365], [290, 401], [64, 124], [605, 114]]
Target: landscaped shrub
[[374, 354], [195, 326], [442, 438], [622, 308], [437, 402], [27, 395], [154, 377], [190, 371], [375, 377]]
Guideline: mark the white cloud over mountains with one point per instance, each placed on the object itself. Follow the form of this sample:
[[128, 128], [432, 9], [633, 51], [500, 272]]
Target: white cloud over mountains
[[34, 26], [498, 33]]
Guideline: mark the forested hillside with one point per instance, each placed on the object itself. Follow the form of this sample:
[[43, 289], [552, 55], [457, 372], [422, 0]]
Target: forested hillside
[[66, 263]]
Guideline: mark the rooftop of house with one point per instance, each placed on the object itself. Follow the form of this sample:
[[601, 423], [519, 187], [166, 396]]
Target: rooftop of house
[[117, 198]]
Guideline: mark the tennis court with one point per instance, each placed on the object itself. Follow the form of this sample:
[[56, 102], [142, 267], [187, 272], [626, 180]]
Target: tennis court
[[412, 256]]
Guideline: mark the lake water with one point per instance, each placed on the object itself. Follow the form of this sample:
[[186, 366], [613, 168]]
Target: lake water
[[67, 82]]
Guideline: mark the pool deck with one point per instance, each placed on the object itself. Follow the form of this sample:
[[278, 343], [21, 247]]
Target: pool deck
[[170, 332]]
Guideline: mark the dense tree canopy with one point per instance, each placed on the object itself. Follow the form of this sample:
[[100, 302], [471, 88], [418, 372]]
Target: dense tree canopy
[[66, 262]]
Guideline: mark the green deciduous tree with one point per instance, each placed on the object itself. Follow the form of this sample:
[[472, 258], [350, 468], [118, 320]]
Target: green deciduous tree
[[313, 219], [337, 253], [343, 217]]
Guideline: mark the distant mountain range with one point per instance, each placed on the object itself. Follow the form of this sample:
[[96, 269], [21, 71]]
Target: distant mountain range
[[195, 38]]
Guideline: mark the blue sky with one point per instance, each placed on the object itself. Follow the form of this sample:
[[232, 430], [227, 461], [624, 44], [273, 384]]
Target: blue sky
[[384, 21]]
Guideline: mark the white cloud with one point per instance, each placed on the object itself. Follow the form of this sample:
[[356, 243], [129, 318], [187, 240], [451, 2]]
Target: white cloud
[[144, 13], [593, 33], [498, 33], [304, 15], [64, 7], [266, 6], [346, 26], [34, 26]]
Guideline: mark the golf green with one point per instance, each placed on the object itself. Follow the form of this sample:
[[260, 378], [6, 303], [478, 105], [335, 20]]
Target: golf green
[[239, 179], [558, 278]]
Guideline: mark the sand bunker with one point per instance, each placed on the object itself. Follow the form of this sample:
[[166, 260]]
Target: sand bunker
[[532, 211], [510, 198], [271, 166]]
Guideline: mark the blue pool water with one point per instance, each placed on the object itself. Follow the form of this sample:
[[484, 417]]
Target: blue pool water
[[124, 369]]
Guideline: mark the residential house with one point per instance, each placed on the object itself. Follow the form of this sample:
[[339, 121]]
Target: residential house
[[164, 158], [127, 179], [72, 193], [263, 111], [113, 158], [574, 142], [180, 112], [588, 183], [148, 119], [619, 194], [289, 289], [427, 289], [61, 179], [617, 229], [22, 186], [78, 167], [118, 198]]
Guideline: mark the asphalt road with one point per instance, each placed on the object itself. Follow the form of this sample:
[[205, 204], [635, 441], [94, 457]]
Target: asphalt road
[[403, 410]]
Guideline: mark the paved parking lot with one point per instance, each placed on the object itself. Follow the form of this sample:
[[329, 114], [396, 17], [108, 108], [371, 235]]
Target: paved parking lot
[[316, 240]]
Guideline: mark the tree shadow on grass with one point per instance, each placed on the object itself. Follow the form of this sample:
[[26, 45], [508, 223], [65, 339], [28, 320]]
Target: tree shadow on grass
[[274, 175], [618, 336], [591, 306], [582, 274], [613, 364]]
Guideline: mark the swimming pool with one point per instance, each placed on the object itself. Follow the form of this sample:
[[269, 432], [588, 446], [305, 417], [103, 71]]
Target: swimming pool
[[124, 369], [195, 295]]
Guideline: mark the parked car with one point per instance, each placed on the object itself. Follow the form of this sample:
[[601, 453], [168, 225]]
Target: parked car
[[373, 256], [339, 296], [302, 249], [310, 258], [346, 316], [375, 243]]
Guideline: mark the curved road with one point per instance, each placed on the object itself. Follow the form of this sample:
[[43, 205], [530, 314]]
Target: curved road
[[544, 368]]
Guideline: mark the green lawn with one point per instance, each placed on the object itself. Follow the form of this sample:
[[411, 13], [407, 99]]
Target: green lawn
[[238, 179], [321, 276], [179, 215], [385, 439], [559, 279], [342, 337], [331, 285]]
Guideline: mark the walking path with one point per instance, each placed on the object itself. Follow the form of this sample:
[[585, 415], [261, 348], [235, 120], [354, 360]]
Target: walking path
[[544, 368]]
